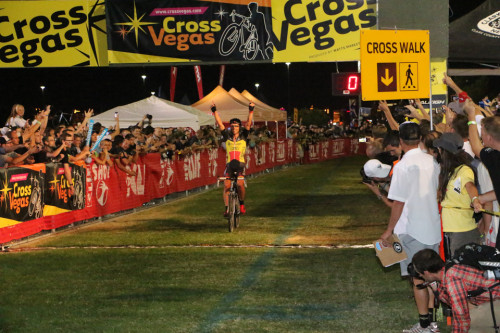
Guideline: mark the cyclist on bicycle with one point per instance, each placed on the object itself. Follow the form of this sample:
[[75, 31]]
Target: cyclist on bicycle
[[235, 138]]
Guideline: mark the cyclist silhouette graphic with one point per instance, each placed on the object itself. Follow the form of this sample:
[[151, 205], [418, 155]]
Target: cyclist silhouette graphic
[[409, 73], [250, 34]]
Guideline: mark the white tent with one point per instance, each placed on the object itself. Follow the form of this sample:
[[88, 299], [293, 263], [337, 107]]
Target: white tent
[[230, 107], [165, 114]]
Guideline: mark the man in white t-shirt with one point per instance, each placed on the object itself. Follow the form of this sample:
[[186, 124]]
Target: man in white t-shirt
[[414, 191]]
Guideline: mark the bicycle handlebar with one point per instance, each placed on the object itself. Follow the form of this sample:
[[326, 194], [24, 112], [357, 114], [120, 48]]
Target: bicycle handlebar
[[233, 14]]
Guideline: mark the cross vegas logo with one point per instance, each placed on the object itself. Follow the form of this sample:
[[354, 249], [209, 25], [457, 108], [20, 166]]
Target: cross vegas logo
[[23, 38]]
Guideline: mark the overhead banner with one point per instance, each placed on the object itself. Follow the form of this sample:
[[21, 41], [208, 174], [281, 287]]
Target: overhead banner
[[144, 31], [52, 33], [320, 31]]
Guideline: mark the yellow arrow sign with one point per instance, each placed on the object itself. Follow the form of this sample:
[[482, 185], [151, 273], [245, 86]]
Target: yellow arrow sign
[[387, 80]]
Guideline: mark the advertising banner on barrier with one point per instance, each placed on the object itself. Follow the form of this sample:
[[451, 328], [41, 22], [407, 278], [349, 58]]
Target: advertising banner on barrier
[[21, 196], [104, 189], [144, 31], [320, 31], [58, 198], [52, 33]]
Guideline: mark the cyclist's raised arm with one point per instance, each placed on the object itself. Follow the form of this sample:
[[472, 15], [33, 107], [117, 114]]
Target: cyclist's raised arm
[[217, 117], [248, 124]]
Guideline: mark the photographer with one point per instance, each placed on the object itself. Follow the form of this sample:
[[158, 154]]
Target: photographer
[[376, 177], [470, 314]]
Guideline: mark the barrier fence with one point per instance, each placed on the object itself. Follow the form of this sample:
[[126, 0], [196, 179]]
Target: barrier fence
[[35, 198]]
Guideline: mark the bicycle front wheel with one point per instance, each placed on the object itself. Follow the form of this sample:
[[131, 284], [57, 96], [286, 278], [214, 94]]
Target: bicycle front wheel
[[229, 40], [233, 200]]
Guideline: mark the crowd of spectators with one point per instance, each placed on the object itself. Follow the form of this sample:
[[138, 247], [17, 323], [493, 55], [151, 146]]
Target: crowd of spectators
[[36, 140], [415, 167]]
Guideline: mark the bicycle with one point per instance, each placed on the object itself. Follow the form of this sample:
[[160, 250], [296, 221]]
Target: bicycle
[[233, 200], [78, 199], [234, 33], [35, 202]]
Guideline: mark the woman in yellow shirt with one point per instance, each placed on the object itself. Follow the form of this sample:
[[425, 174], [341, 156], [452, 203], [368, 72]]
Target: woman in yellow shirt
[[457, 193]]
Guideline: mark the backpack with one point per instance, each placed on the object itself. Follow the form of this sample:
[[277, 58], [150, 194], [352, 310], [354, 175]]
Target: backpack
[[482, 257]]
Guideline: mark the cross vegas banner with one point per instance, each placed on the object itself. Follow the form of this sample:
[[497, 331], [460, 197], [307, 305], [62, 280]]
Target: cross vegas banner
[[144, 31], [21, 196], [52, 33]]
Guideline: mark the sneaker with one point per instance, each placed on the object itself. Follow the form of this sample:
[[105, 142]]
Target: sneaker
[[242, 209], [434, 327], [226, 213], [418, 329]]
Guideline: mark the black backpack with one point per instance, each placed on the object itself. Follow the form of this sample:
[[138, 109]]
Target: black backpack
[[482, 257]]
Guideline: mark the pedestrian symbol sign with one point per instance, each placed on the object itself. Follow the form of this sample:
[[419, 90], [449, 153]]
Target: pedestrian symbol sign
[[409, 78], [395, 64]]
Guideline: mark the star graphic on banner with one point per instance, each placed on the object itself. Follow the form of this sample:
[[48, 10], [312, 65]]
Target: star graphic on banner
[[96, 19], [135, 24], [5, 188], [122, 32], [221, 12], [55, 181]]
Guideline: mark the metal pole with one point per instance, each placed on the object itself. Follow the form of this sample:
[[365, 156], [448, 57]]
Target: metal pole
[[430, 85]]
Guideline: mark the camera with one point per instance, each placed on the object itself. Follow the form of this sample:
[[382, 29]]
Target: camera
[[149, 116], [401, 110], [364, 177], [492, 274], [413, 273]]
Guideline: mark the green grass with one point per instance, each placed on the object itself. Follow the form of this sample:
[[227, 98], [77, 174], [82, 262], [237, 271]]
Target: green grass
[[319, 204], [217, 289]]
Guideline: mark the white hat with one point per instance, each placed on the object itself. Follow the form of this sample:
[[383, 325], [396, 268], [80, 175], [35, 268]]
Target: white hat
[[375, 168]]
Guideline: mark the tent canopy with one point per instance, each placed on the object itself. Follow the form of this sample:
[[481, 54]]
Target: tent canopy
[[165, 114], [269, 112], [230, 107], [281, 115], [475, 37]]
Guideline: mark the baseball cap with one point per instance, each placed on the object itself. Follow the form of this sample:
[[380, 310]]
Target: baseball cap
[[451, 142], [462, 97], [409, 131], [375, 168]]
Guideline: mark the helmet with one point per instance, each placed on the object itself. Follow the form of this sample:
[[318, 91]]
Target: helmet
[[235, 121]]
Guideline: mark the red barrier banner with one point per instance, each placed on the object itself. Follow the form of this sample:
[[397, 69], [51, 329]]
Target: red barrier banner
[[109, 190]]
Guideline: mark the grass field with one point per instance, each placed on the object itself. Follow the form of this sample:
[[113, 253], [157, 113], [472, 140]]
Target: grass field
[[175, 268]]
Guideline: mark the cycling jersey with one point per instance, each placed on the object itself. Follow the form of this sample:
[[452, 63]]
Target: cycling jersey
[[235, 149]]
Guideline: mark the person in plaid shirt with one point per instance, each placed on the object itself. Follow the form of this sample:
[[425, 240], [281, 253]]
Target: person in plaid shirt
[[470, 314]]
